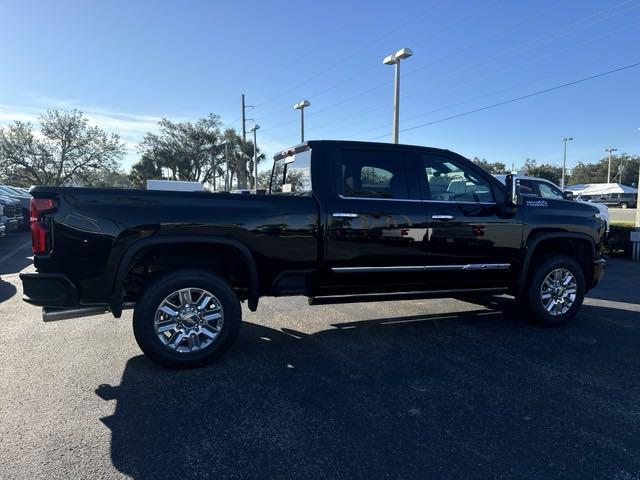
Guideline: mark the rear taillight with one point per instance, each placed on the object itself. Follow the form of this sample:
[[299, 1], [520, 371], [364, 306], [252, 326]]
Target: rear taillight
[[39, 232]]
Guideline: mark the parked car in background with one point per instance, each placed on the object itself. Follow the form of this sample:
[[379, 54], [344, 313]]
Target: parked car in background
[[23, 198], [3, 227], [618, 200], [543, 188], [12, 213]]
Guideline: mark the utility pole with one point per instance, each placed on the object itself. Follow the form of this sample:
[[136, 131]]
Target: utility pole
[[254, 129], [394, 59], [609, 150], [242, 160], [227, 187], [564, 159]]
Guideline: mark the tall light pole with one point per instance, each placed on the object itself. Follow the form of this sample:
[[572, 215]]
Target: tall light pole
[[254, 129], [394, 59], [564, 158], [638, 200], [301, 105], [609, 150]]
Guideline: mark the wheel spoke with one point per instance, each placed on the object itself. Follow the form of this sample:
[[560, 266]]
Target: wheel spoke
[[185, 297], [194, 341], [175, 339], [165, 326], [212, 317], [209, 331], [169, 311], [203, 301]]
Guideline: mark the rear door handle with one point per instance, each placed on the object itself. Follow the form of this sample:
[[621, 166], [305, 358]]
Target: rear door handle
[[345, 215], [442, 217]]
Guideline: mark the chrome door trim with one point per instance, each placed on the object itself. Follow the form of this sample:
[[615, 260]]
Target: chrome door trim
[[379, 199], [398, 268], [344, 215], [417, 268]]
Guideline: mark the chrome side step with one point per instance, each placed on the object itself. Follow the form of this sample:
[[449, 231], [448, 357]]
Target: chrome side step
[[391, 297], [53, 314]]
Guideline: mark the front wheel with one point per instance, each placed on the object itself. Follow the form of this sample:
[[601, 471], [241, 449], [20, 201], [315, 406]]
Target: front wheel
[[186, 319], [624, 205], [555, 291]]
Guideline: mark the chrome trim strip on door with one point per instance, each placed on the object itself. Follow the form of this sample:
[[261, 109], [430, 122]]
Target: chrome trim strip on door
[[343, 197], [399, 268], [442, 217], [417, 268], [344, 215]]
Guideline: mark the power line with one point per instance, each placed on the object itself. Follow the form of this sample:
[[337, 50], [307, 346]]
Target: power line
[[516, 99], [446, 27], [497, 73], [557, 33]]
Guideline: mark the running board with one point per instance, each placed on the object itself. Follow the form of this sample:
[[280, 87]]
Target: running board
[[53, 314], [392, 297]]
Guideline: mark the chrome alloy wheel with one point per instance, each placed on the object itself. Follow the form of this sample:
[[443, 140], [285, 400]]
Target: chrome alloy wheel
[[558, 291], [189, 320]]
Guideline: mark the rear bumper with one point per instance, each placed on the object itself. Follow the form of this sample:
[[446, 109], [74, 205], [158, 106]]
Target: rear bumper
[[49, 289], [599, 267]]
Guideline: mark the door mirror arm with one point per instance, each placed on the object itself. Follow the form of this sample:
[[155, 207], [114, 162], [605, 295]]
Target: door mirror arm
[[513, 197]]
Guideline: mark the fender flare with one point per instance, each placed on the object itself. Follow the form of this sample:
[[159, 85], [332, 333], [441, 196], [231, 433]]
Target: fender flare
[[532, 243], [116, 302]]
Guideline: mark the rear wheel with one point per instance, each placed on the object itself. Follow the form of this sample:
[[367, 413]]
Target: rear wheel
[[186, 319], [624, 205], [555, 291]]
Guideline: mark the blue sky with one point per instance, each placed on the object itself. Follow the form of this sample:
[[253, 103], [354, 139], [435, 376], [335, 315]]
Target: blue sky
[[129, 63]]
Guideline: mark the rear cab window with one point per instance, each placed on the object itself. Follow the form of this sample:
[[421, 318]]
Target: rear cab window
[[362, 173]]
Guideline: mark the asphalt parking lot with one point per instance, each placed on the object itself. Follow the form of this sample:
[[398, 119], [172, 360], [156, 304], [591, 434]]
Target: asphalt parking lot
[[420, 389]]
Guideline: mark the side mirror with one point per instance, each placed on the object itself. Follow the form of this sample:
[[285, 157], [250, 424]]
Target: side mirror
[[567, 195], [513, 197]]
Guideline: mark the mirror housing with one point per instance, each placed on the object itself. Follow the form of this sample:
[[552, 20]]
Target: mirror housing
[[513, 197], [567, 195]]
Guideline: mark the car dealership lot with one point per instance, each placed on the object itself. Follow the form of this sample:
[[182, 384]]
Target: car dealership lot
[[432, 388]]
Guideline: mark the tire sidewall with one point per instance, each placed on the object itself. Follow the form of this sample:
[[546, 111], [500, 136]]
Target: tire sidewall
[[537, 312], [144, 318]]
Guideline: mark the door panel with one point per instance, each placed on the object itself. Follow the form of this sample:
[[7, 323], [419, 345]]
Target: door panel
[[376, 230], [471, 241]]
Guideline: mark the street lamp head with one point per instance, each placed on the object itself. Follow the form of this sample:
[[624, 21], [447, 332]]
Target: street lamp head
[[566, 139], [302, 104], [403, 53], [255, 127], [389, 60]]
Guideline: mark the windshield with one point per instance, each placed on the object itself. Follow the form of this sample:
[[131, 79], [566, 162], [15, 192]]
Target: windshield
[[292, 174]]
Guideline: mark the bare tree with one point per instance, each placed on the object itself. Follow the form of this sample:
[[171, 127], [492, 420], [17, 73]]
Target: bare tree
[[66, 150]]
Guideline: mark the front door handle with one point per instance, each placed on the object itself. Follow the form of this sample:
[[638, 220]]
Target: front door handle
[[345, 215], [442, 217]]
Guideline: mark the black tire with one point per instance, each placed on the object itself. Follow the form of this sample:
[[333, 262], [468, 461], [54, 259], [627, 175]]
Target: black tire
[[624, 205], [532, 300], [152, 298]]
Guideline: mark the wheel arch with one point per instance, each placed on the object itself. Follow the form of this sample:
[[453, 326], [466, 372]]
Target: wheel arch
[[128, 259], [550, 241]]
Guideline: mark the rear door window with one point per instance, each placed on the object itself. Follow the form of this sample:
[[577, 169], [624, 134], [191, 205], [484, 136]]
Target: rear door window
[[372, 174]]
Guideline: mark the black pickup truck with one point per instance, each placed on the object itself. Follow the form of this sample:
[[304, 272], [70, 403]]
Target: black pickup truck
[[342, 222]]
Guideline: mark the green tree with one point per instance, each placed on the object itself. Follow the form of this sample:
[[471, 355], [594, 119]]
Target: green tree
[[65, 151], [624, 169], [550, 172], [190, 151], [491, 167], [148, 168]]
